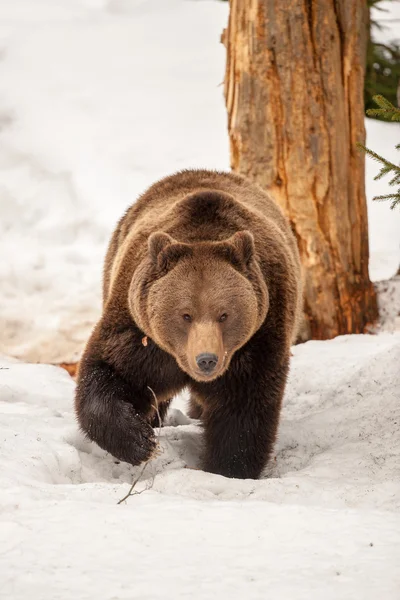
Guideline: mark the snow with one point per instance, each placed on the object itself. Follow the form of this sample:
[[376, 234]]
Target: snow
[[389, 304], [98, 98], [324, 522]]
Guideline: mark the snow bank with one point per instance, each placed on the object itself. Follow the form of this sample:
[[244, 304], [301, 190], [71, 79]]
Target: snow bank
[[324, 523]]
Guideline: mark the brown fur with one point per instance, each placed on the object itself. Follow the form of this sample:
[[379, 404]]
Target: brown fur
[[214, 247]]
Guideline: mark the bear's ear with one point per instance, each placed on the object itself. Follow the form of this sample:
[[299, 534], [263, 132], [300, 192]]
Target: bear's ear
[[240, 248], [165, 251], [243, 242], [157, 243]]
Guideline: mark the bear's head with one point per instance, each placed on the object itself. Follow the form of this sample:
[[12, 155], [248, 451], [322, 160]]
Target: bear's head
[[199, 302]]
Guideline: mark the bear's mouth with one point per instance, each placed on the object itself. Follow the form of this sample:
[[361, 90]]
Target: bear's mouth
[[191, 367], [197, 374], [203, 376], [200, 376]]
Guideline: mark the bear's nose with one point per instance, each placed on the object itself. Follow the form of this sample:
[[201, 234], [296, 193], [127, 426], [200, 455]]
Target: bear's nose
[[206, 362]]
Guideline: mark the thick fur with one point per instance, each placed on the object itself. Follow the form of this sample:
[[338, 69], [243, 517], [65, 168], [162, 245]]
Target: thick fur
[[216, 248]]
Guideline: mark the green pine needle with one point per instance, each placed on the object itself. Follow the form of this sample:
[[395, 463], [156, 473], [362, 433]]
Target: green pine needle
[[394, 197], [390, 112], [386, 109], [384, 171], [382, 102], [395, 180]]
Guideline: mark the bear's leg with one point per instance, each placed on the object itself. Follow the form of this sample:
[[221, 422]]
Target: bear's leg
[[114, 399], [162, 413], [195, 410], [241, 422], [108, 414]]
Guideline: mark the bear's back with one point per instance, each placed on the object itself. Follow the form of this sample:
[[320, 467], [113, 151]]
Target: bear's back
[[162, 195]]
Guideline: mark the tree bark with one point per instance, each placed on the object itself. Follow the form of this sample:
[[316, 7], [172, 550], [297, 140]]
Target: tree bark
[[294, 94]]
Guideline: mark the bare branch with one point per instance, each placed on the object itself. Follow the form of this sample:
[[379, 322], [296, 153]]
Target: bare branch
[[132, 491]]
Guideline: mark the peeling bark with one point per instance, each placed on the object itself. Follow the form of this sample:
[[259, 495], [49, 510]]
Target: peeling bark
[[294, 94]]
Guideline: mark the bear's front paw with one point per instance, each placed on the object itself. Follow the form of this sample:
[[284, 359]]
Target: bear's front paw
[[133, 439]]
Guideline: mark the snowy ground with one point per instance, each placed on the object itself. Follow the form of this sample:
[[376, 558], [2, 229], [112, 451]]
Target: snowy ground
[[324, 524], [97, 99]]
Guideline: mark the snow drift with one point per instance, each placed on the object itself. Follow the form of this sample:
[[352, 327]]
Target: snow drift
[[324, 522]]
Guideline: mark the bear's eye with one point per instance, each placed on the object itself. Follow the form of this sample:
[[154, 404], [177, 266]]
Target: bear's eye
[[223, 318], [187, 318]]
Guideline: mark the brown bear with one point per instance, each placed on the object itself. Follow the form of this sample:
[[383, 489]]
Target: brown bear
[[202, 289]]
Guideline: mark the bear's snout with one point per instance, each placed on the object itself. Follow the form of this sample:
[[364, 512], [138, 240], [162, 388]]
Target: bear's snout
[[207, 362]]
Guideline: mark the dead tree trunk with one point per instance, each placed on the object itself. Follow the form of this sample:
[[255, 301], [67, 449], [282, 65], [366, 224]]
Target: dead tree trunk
[[294, 93]]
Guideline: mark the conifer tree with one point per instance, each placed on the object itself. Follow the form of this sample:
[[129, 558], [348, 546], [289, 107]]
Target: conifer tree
[[383, 59], [389, 112]]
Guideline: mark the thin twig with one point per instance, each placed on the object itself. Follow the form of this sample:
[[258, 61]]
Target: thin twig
[[132, 491], [167, 441], [157, 411]]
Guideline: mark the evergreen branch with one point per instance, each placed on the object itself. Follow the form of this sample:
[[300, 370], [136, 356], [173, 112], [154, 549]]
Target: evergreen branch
[[386, 109], [387, 167], [382, 102], [381, 112], [384, 171], [387, 164], [394, 197], [389, 197], [392, 49], [395, 180]]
